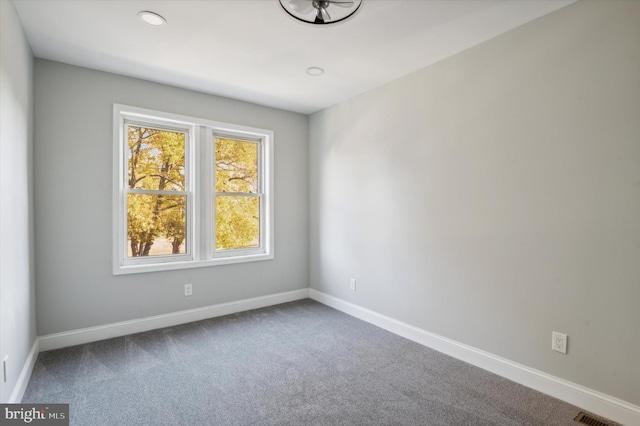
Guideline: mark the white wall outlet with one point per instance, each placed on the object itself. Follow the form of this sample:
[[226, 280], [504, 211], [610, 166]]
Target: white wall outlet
[[559, 342], [188, 289], [352, 284]]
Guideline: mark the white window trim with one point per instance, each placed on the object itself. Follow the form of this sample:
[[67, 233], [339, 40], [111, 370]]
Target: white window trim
[[200, 195]]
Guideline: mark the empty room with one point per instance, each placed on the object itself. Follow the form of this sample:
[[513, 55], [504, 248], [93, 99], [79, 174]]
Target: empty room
[[306, 212]]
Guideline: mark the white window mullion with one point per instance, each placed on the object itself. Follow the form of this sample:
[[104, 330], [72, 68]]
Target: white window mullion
[[197, 203], [205, 193]]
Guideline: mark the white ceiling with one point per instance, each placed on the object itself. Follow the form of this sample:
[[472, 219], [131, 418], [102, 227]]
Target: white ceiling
[[253, 51]]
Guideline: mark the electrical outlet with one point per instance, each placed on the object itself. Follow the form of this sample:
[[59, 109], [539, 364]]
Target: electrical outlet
[[188, 289], [352, 284], [559, 342]]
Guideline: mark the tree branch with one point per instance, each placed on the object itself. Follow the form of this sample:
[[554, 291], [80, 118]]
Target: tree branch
[[168, 180]]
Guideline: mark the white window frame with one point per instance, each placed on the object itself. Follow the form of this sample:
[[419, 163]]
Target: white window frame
[[199, 190]]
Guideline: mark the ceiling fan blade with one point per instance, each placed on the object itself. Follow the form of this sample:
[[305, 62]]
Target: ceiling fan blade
[[301, 6], [341, 3]]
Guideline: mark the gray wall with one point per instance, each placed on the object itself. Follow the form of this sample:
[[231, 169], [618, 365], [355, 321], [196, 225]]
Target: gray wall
[[495, 196], [73, 178], [17, 288]]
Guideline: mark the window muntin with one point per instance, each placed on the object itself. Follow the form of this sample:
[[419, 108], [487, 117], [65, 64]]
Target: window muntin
[[189, 192]]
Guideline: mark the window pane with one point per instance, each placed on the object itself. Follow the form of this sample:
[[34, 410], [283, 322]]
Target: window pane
[[236, 166], [237, 222], [156, 159], [156, 224]]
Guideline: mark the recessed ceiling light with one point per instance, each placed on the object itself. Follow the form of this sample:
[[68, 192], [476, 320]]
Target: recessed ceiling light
[[315, 71], [152, 18]]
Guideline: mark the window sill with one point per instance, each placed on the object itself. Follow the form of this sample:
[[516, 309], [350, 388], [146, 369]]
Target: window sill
[[170, 266]]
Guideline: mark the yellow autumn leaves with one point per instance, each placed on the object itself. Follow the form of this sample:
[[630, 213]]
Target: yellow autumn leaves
[[157, 201], [237, 201]]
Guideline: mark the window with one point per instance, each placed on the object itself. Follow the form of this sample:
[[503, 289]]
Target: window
[[238, 199], [189, 192]]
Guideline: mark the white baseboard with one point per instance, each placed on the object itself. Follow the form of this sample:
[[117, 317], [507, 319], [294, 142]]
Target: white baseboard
[[590, 400], [25, 374], [93, 334]]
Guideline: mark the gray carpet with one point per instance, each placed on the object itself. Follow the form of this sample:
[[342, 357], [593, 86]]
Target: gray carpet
[[299, 363]]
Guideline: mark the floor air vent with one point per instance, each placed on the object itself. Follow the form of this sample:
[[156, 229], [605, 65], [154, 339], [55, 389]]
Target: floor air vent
[[585, 419]]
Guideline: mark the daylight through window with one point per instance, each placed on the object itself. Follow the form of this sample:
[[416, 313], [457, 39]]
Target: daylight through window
[[189, 192]]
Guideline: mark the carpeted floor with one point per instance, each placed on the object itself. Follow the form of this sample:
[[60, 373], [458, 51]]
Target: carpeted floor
[[299, 363]]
